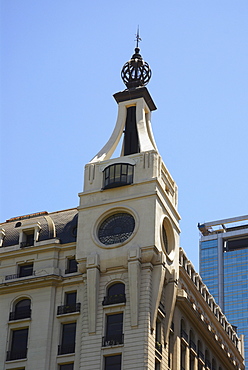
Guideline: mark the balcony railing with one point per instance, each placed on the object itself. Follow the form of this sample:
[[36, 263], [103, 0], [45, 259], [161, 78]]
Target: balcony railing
[[113, 340], [71, 270], [112, 299], [64, 349], [208, 364], [61, 310], [158, 346], [201, 355], [20, 313], [16, 355], [184, 335], [192, 345], [17, 276], [26, 244]]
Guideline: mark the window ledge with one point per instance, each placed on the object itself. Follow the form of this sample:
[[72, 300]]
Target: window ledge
[[68, 314], [69, 355], [17, 362], [121, 304]]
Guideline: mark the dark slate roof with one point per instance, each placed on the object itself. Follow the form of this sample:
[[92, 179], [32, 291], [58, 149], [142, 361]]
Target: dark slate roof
[[61, 225]]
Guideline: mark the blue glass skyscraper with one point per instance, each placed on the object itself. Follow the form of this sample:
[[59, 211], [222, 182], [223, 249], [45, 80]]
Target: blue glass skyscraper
[[224, 268]]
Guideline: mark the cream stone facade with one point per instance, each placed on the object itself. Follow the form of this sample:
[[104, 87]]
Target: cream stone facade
[[106, 286]]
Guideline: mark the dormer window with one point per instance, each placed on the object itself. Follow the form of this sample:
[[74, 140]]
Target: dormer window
[[29, 239], [29, 235], [119, 174]]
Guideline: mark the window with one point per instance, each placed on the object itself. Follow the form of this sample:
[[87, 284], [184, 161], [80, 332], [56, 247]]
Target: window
[[114, 335], [68, 339], [115, 294], [112, 362], [184, 334], [66, 366], [21, 310], [71, 265], [70, 305], [157, 365], [29, 239], [117, 175], [26, 270], [158, 344], [18, 349]]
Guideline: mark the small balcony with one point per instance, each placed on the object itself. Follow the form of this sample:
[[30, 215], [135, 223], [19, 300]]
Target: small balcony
[[16, 354], [200, 355], [184, 335], [65, 349], [158, 346], [18, 276], [62, 310], [20, 313], [26, 244], [113, 299], [114, 340], [192, 345]]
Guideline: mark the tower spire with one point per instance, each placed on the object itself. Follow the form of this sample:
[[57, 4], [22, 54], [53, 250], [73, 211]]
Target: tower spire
[[138, 39], [136, 72]]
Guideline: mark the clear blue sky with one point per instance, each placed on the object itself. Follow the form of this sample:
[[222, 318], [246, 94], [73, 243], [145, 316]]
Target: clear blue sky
[[60, 66]]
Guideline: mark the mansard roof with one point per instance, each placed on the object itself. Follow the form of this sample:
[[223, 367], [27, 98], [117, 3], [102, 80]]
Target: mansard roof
[[61, 225]]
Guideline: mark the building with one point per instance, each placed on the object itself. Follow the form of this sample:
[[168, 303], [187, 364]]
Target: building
[[106, 286], [224, 268]]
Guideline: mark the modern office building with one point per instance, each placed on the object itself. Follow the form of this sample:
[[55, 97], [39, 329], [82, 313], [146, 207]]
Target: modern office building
[[106, 286], [224, 268]]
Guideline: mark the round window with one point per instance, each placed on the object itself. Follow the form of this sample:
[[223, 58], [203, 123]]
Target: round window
[[116, 228]]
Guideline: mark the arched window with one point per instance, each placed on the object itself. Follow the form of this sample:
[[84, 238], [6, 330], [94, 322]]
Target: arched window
[[118, 174], [22, 310], [115, 294]]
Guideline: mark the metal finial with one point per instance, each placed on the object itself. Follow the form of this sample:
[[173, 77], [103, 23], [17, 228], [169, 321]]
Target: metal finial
[[138, 39], [136, 72]]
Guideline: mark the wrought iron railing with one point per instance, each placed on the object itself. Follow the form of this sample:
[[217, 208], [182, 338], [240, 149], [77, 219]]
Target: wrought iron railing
[[17, 276], [64, 349], [20, 313], [201, 355], [208, 364], [71, 269], [112, 299], [184, 335], [16, 354], [26, 244], [112, 340], [158, 346], [192, 345], [61, 310]]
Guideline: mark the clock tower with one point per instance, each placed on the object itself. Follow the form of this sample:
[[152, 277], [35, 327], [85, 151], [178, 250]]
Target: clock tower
[[128, 230]]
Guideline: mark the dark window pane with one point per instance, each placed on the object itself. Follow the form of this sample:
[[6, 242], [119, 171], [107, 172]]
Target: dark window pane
[[22, 309], [113, 362], [115, 289], [71, 265], [66, 367], [70, 298], [26, 270], [30, 239], [69, 333], [114, 326], [19, 340]]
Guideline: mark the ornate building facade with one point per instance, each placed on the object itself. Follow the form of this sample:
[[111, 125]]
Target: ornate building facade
[[106, 286]]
